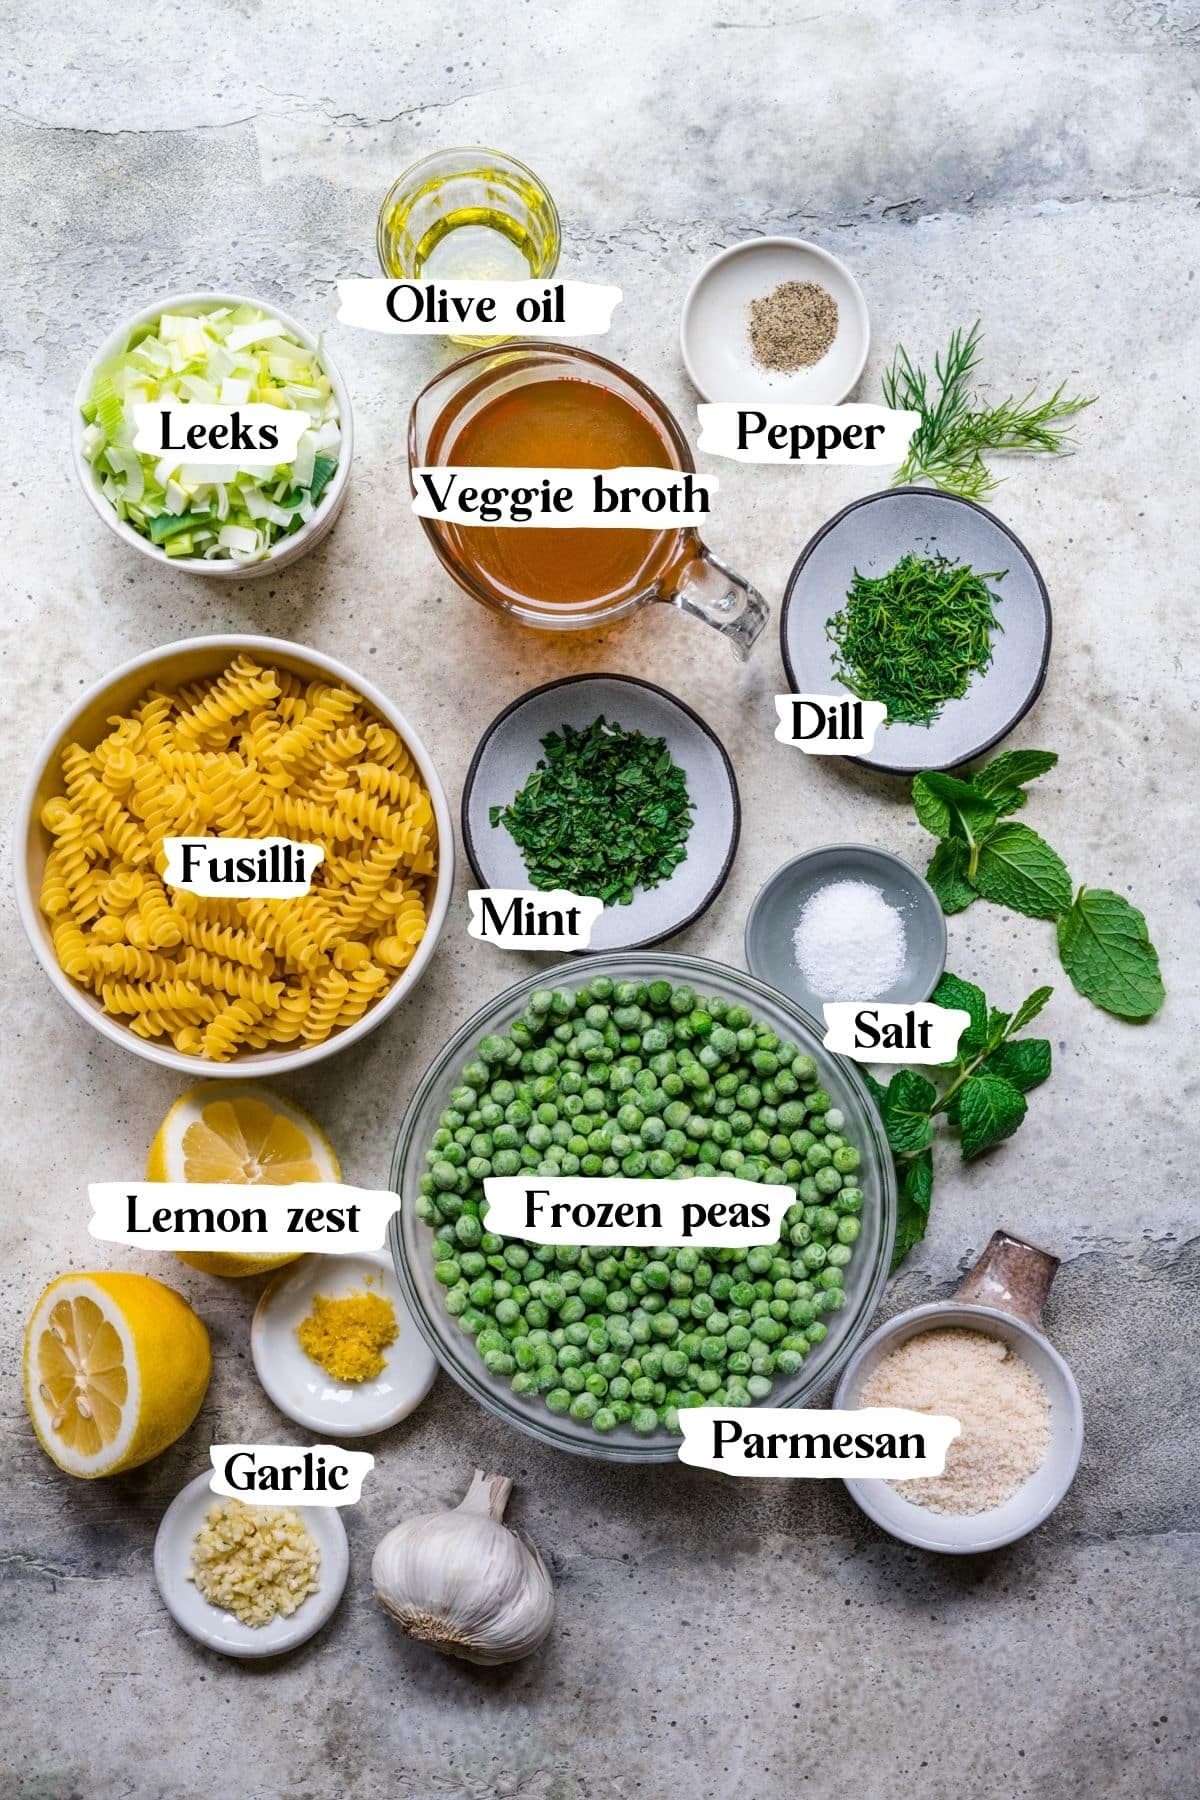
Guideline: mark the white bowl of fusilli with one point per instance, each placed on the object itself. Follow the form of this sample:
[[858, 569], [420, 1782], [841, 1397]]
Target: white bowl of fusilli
[[241, 737]]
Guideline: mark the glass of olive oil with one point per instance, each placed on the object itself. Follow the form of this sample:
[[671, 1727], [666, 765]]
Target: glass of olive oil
[[468, 215]]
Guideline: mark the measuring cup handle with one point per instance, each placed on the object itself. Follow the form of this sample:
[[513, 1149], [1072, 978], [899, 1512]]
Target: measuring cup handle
[[705, 587], [1012, 1275]]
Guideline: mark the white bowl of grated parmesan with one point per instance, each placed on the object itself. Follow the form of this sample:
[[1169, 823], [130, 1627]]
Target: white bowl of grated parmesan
[[1015, 1398]]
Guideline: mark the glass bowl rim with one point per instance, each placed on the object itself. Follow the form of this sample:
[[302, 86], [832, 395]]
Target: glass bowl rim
[[656, 1449]]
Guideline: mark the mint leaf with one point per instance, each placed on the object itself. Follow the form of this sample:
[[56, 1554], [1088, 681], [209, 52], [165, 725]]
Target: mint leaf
[[932, 812], [1003, 778], [876, 1089], [951, 991], [1017, 868], [1029, 1009], [997, 1027], [1024, 1063], [951, 808], [1008, 800], [947, 875], [916, 1191], [1106, 950], [906, 1112], [989, 1108]]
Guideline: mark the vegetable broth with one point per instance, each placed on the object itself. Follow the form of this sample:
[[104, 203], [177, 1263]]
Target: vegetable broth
[[567, 424]]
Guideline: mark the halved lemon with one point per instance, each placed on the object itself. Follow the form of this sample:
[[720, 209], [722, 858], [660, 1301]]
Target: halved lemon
[[116, 1367], [242, 1133]]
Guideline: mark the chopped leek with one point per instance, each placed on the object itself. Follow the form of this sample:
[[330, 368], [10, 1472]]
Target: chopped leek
[[169, 525], [323, 470], [214, 511]]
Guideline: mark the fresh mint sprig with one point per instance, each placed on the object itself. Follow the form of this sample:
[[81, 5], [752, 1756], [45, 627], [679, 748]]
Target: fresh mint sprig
[[983, 1096], [984, 853]]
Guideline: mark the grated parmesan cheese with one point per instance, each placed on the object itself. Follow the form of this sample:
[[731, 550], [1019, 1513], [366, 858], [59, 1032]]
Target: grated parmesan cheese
[[996, 1397], [257, 1562]]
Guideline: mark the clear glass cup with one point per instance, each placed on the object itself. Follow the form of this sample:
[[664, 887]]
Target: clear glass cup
[[679, 569], [468, 214], [411, 1241]]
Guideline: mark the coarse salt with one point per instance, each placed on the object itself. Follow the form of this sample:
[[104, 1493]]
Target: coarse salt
[[849, 942], [1000, 1403]]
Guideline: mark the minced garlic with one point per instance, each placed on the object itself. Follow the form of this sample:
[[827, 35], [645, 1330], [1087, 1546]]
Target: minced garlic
[[257, 1562], [348, 1336]]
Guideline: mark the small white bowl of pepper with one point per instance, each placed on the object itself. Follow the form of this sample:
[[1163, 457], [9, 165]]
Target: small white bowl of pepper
[[775, 319]]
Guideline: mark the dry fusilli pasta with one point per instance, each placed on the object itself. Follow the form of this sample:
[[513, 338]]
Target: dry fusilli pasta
[[253, 752]]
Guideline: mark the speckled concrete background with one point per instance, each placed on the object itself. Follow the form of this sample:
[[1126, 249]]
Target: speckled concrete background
[[1033, 161]]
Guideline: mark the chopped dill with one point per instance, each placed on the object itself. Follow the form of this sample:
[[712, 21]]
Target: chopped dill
[[915, 637]]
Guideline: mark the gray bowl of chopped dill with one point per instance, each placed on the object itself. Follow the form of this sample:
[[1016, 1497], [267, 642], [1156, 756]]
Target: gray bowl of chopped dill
[[607, 786], [928, 603]]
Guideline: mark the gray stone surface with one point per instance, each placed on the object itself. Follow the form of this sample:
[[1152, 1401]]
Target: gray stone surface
[[1033, 162]]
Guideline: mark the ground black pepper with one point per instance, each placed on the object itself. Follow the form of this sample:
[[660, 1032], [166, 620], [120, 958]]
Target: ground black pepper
[[793, 326]]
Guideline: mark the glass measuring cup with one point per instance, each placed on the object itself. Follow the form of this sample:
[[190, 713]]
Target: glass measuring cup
[[677, 568]]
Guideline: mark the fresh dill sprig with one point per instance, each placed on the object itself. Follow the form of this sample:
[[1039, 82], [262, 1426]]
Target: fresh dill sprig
[[957, 431]]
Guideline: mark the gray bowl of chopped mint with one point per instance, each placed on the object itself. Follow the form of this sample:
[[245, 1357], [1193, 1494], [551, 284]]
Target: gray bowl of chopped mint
[[606, 786]]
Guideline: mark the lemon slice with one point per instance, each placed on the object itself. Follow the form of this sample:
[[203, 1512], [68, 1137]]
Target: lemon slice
[[239, 1132], [115, 1369]]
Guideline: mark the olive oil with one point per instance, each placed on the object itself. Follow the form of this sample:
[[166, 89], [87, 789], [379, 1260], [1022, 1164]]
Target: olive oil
[[475, 244], [468, 215]]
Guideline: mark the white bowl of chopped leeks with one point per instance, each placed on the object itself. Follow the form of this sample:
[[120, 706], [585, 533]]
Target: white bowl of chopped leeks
[[290, 516]]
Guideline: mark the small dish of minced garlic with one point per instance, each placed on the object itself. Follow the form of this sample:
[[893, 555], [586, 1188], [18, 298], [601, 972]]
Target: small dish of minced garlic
[[246, 1579]]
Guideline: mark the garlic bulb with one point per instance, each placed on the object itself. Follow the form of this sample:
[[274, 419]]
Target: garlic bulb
[[464, 1582]]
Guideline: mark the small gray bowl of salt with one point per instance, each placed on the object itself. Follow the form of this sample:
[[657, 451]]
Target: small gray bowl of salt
[[847, 922]]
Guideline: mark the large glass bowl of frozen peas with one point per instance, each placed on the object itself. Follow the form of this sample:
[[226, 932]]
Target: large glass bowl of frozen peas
[[455, 1338]]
